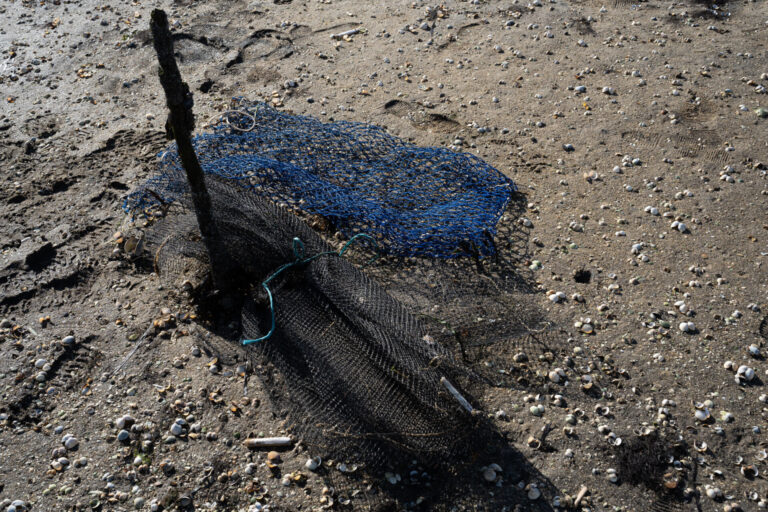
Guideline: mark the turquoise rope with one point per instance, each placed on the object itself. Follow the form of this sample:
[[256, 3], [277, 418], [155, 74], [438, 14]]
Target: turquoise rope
[[298, 252]]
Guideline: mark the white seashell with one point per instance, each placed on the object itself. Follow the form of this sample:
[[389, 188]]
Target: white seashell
[[744, 374], [489, 475], [713, 493], [313, 463], [533, 493], [702, 414], [750, 471], [754, 350]]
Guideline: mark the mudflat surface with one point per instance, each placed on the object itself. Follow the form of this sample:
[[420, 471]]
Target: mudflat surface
[[615, 120]]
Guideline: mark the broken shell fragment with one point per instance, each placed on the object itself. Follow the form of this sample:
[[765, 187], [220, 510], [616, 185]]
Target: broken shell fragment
[[534, 443]]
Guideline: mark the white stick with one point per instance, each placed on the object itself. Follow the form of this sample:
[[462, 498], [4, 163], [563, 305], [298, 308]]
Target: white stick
[[254, 443], [580, 496], [347, 33], [455, 392]]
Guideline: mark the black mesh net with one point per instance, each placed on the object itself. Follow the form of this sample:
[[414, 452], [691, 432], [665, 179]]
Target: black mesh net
[[378, 364]]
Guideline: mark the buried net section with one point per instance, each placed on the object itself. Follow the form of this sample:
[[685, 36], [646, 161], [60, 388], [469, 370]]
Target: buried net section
[[429, 202]]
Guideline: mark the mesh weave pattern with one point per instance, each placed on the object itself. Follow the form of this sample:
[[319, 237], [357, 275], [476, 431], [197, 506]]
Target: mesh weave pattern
[[353, 370], [416, 201]]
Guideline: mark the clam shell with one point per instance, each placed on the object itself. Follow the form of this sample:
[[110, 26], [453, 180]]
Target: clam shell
[[702, 414], [749, 471], [534, 443]]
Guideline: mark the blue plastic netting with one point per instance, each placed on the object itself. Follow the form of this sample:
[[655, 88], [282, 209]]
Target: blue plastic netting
[[415, 201]]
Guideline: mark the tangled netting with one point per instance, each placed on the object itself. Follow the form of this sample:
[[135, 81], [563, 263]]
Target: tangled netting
[[415, 201], [371, 358], [377, 365], [351, 367]]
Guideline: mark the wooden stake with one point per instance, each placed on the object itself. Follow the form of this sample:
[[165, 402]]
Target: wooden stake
[[179, 126]]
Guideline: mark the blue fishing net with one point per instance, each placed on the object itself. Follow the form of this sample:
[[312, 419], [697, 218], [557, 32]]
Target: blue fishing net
[[414, 201]]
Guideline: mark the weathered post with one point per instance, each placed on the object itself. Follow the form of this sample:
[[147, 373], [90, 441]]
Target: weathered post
[[179, 126]]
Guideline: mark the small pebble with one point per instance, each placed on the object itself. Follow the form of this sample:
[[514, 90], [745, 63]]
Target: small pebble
[[70, 442]]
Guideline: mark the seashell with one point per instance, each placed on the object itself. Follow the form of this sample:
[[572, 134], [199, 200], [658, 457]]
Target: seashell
[[762, 455], [744, 374], [728, 365], [344, 468], [496, 467], [489, 475], [713, 493], [520, 357], [749, 471], [700, 446], [534, 443], [568, 431], [670, 481], [702, 414], [533, 492], [313, 463], [602, 410]]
